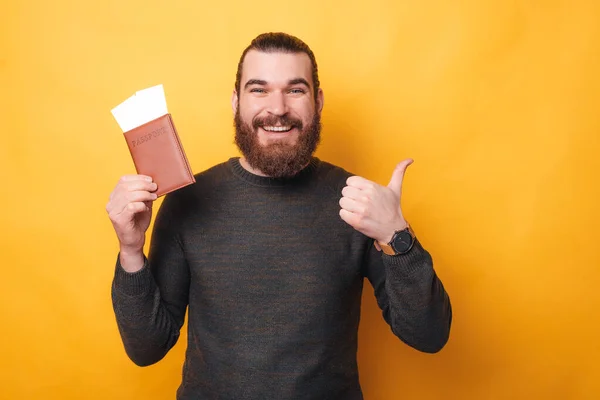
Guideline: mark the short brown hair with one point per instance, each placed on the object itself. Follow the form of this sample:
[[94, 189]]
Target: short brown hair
[[272, 42]]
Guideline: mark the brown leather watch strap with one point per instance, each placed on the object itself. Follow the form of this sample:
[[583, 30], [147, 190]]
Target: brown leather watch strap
[[387, 249]]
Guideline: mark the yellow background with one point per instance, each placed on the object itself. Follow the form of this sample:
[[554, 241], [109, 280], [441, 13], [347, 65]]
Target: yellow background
[[496, 101]]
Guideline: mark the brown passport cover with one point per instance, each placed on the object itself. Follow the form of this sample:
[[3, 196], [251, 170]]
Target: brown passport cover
[[157, 152]]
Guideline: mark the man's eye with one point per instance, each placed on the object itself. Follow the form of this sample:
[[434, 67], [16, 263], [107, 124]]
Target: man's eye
[[297, 91], [257, 90]]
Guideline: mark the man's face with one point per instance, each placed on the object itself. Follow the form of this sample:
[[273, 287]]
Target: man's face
[[277, 119]]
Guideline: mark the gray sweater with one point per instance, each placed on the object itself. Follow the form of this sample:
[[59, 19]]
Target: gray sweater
[[272, 278]]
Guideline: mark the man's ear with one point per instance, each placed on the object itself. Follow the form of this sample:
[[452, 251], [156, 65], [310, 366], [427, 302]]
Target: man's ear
[[320, 100], [234, 101]]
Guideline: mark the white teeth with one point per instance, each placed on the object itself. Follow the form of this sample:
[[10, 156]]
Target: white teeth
[[277, 128]]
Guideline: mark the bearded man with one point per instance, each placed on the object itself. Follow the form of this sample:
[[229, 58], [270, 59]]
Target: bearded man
[[268, 253]]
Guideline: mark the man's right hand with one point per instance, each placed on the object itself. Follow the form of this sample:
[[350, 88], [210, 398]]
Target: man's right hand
[[130, 211]]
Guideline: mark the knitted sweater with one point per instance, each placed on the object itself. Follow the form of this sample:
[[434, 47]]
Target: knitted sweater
[[272, 278]]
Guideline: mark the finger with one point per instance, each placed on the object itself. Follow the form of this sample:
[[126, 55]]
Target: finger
[[354, 193], [129, 211], [350, 218], [119, 203], [140, 195], [134, 177], [139, 184], [133, 182], [351, 205], [359, 182], [136, 207], [398, 175]]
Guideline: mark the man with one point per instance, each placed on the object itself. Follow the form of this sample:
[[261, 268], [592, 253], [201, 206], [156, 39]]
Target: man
[[268, 253]]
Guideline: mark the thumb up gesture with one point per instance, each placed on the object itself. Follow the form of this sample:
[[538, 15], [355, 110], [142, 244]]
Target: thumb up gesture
[[372, 209]]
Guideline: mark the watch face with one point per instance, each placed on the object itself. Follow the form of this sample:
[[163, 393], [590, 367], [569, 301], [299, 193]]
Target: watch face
[[403, 242]]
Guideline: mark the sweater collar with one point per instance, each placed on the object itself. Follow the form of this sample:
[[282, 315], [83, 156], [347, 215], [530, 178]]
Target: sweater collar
[[242, 173]]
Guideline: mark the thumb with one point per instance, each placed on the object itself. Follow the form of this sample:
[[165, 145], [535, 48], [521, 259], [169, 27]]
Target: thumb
[[398, 176]]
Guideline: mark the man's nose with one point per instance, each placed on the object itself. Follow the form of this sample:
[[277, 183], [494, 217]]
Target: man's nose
[[277, 104]]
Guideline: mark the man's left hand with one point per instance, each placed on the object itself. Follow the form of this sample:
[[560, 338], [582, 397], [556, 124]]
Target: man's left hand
[[372, 209]]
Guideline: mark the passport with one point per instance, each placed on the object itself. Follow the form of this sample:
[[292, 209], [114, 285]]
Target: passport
[[153, 141]]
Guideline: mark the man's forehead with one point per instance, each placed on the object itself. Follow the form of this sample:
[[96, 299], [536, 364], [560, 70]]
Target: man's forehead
[[276, 66]]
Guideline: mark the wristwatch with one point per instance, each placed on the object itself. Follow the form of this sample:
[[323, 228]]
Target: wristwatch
[[402, 241]]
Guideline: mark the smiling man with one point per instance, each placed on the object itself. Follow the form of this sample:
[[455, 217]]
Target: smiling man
[[277, 111], [268, 253]]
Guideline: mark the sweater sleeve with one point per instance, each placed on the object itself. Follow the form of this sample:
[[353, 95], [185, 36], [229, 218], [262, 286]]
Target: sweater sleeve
[[150, 304], [411, 296]]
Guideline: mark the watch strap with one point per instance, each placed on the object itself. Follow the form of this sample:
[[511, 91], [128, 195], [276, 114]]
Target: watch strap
[[387, 249]]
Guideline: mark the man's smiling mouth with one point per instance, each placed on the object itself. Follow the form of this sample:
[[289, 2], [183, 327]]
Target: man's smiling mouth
[[277, 128]]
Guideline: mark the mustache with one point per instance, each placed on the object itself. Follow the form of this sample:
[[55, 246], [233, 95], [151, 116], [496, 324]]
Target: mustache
[[274, 120]]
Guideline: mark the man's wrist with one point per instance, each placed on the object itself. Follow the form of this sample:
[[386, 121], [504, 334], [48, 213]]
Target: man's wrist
[[131, 260], [386, 239]]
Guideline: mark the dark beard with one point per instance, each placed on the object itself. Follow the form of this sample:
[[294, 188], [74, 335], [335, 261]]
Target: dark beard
[[280, 159]]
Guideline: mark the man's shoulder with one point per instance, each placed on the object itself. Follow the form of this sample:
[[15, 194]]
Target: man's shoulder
[[333, 173], [205, 182], [213, 174]]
